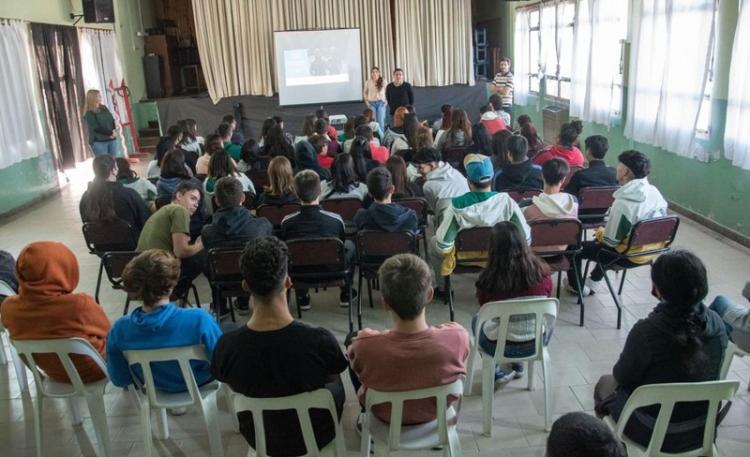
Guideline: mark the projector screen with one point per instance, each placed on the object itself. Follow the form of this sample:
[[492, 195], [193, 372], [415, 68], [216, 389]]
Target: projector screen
[[318, 66]]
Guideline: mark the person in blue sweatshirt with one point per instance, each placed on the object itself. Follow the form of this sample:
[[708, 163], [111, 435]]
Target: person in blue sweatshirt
[[150, 277], [383, 215]]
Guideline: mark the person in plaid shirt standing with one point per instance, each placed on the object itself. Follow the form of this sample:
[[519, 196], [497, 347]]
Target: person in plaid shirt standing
[[503, 85]]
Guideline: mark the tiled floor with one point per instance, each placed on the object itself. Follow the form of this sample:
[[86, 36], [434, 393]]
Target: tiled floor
[[579, 356]]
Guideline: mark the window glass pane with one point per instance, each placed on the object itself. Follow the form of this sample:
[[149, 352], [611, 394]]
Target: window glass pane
[[534, 84], [566, 51], [534, 52], [567, 12], [565, 90], [534, 18]]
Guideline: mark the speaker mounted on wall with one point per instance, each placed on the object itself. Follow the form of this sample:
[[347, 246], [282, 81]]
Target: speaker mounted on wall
[[98, 11]]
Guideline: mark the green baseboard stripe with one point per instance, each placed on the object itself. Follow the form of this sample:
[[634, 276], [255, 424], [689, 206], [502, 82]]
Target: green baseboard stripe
[[724, 231], [18, 211]]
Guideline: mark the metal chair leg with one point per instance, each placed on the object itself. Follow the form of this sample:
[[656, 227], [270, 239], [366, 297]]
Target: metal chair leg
[[622, 281], [195, 293], [99, 281], [579, 289], [369, 292], [127, 305], [449, 295], [614, 297]]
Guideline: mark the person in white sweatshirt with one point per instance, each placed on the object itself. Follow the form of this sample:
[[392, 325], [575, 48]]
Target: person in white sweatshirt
[[635, 201], [480, 207], [552, 204], [442, 181]]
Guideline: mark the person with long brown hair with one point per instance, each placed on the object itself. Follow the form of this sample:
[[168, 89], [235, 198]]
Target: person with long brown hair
[[512, 271], [396, 133], [459, 133], [280, 189], [101, 125], [403, 188], [374, 95]]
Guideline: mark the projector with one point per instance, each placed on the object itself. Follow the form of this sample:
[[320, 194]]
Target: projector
[[338, 121]]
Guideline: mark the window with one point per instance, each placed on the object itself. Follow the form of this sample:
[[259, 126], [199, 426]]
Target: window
[[550, 50]]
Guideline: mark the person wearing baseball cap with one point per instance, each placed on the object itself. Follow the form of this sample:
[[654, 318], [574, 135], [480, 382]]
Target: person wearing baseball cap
[[480, 207], [635, 201], [442, 181]]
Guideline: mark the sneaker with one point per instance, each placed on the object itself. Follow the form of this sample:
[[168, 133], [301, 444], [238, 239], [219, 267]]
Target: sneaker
[[586, 289], [503, 377], [518, 369], [304, 302], [177, 411], [344, 297]]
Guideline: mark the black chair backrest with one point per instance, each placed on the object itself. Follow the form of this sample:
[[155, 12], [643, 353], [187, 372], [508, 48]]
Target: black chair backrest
[[475, 239], [115, 263], [276, 213], [660, 230], [552, 233], [162, 201], [374, 247], [344, 207], [455, 157], [518, 195], [259, 179], [596, 198], [101, 237], [224, 263], [418, 204], [316, 252]]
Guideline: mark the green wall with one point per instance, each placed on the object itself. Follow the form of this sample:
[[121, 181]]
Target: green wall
[[717, 190]]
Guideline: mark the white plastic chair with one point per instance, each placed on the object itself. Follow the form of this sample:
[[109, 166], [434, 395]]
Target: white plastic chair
[[394, 436], [18, 366], [302, 404], [545, 313], [149, 397], [93, 392], [731, 351], [666, 396]]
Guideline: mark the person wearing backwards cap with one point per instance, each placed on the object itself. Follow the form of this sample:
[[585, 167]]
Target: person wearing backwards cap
[[480, 207], [635, 201], [442, 181]]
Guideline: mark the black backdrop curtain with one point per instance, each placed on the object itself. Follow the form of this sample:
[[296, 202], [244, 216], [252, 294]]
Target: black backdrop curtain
[[58, 64]]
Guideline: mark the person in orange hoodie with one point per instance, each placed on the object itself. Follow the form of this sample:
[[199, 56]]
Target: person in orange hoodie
[[47, 308]]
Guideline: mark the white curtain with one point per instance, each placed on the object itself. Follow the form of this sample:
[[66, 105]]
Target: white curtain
[[521, 58], [737, 133], [100, 61], [548, 46], [596, 83], [670, 56], [21, 132]]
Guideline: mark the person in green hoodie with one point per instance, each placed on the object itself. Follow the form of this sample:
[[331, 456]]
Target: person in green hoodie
[[225, 131], [101, 125], [480, 207]]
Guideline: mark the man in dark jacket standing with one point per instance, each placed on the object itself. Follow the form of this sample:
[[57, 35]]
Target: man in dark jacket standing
[[399, 92], [233, 225], [383, 215]]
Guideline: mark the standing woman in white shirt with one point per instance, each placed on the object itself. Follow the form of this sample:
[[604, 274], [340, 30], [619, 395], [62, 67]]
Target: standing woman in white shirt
[[374, 95]]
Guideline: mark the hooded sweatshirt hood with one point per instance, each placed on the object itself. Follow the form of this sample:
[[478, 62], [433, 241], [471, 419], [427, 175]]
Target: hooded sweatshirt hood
[[46, 269], [557, 205], [152, 321], [444, 182], [234, 226], [635, 201], [387, 218], [167, 186]]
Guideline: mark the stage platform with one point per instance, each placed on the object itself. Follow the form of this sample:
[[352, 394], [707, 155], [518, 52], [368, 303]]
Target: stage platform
[[256, 109]]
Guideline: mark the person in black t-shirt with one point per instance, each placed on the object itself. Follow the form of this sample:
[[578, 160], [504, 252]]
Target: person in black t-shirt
[[520, 173], [399, 92], [275, 355], [598, 174], [311, 221]]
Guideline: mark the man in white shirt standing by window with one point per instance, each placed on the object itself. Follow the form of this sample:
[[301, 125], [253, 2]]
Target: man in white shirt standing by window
[[503, 85]]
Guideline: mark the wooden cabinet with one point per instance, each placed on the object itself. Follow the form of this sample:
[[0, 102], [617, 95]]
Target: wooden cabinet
[[165, 46]]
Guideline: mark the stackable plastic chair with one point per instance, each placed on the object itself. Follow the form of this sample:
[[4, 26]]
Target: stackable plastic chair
[[302, 404], [545, 313], [346, 208], [276, 213], [419, 206], [594, 204], [92, 392], [149, 397], [374, 248], [393, 436], [18, 366], [666, 396], [225, 275], [731, 351]]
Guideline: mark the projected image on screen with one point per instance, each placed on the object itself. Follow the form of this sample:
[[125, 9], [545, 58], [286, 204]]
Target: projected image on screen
[[318, 66]]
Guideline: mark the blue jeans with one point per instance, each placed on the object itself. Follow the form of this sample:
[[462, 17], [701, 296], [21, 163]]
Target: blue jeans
[[105, 147], [379, 108], [512, 348]]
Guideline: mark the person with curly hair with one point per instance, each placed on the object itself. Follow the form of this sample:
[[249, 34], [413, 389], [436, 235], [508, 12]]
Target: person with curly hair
[[275, 355], [159, 323]]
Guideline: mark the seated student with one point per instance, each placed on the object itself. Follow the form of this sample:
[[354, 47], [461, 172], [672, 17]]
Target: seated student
[[736, 318], [321, 127], [359, 121], [378, 153], [402, 186], [128, 178], [8, 277], [173, 172], [480, 207], [598, 174], [308, 129], [442, 181], [169, 229], [157, 324], [490, 120], [580, 434], [250, 158], [527, 130], [344, 182], [237, 136], [635, 201], [519, 173], [221, 165], [169, 142], [497, 105], [47, 308], [459, 133], [512, 271], [680, 341], [307, 153], [377, 131], [552, 203], [321, 114], [275, 355], [311, 221], [382, 214], [413, 354], [445, 119], [280, 189], [321, 143], [106, 200], [277, 144], [362, 157], [499, 151], [566, 148], [191, 142], [225, 132], [213, 144], [287, 136], [395, 132]]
